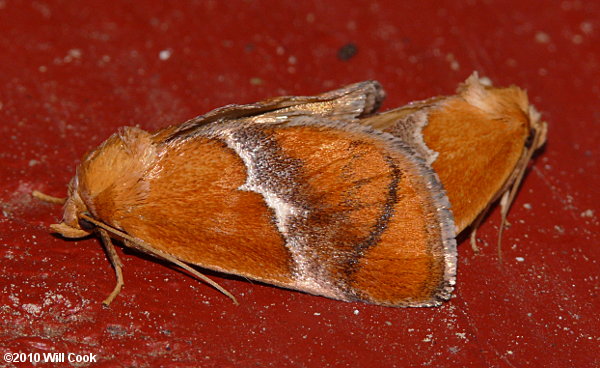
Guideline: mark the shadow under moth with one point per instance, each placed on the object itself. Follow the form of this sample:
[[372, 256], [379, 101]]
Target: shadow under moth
[[320, 194]]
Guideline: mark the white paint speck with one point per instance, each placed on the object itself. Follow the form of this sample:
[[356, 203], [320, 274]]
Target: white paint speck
[[356, 312], [255, 81], [542, 37], [520, 259], [587, 213], [586, 27], [32, 309], [165, 54], [75, 53], [527, 206], [72, 54]]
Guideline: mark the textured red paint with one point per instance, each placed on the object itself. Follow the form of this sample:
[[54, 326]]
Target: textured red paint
[[73, 72]]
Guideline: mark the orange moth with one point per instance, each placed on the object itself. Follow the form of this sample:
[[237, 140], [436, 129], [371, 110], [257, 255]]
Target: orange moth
[[306, 193], [478, 141]]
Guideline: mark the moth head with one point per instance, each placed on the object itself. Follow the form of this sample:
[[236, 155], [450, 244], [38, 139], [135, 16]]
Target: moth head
[[72, 225]]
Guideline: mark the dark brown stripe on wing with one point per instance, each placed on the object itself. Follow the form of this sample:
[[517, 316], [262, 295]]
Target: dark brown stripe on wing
[[348, 189], [383, 220]]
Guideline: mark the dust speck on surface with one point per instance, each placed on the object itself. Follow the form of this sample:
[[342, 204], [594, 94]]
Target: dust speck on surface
[[453, 349], [116, 330], [255, 81], [347, 52]]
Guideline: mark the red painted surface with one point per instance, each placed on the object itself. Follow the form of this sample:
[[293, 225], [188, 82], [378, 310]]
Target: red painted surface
[[71, 73]]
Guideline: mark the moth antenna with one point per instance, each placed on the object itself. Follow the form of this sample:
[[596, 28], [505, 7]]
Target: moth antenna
[[137, 243], [47, 198], [167, 257], [116, 263]]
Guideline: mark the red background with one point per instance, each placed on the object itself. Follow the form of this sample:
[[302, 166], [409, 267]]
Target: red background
[[72, 72]]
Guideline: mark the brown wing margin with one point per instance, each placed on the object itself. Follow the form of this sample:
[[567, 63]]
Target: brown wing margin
[[350, 102]]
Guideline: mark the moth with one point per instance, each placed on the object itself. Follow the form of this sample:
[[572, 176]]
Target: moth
[[318, 194], [479, 142]]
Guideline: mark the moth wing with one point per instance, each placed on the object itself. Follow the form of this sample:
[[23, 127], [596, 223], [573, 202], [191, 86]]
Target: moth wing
[[330, 208], [350, 102], [407, 123], [475, 141]]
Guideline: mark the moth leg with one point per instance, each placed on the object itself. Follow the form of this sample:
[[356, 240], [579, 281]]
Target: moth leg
[[474, 240], [474, 226], [47, 198], [505, 203], [510, 194], [504, 207], [144, 247], [116, 263]]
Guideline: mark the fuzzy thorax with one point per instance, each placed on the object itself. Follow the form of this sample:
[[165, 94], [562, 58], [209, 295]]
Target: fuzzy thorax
[[112, 173]]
